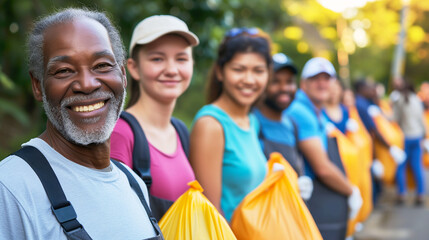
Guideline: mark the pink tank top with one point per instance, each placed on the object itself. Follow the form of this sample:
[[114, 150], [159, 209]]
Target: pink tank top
[[170, 173]]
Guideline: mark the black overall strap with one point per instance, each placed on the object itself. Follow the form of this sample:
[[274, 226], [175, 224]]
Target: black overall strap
[[183, 132], [61, 207], [141, 155], [136, 187]]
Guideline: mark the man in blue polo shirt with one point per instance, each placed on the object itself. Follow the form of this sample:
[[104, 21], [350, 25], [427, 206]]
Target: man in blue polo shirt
[[278, 132], [305, 110]]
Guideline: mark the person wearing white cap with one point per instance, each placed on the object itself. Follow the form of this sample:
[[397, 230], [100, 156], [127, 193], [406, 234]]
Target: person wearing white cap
[[306, 111], [161, 68]]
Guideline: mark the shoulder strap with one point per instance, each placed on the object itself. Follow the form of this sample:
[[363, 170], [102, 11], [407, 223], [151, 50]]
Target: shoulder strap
[[295, 131], [136, 187], [61, 207], [183, 132], [141, 154], [260, 133]]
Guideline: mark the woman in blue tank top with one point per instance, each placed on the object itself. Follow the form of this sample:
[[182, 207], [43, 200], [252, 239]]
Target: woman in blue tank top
[[225, 153]]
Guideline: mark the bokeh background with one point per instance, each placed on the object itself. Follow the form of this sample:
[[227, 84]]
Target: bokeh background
[[361, 38]]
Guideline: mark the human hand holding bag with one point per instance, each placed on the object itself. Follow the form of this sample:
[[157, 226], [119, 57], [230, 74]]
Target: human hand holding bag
[[355, 202], [305, 185], [397, 154], [377, 169]]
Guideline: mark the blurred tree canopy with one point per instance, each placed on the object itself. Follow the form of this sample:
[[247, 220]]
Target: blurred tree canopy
[[300, 28]]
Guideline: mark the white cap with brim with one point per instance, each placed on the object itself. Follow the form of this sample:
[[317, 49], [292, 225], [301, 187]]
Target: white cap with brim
[[151, 28], [317, 65]]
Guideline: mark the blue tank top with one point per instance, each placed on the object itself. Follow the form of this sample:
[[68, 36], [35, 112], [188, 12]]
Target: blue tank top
[[342, 124], [243, 165]]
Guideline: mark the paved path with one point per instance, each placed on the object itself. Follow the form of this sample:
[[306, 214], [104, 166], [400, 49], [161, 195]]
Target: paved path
[[391, 222]]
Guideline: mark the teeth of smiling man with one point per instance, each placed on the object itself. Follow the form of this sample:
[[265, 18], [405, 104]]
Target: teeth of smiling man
[[88, 108]]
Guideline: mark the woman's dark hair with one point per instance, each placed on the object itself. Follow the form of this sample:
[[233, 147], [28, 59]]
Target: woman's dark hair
[[230, 46]]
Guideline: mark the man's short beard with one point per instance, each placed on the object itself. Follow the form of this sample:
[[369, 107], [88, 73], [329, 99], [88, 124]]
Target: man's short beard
[[271, 103], [60, 118]]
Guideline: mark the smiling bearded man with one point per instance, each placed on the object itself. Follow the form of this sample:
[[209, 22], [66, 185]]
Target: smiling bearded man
[[62, 184]]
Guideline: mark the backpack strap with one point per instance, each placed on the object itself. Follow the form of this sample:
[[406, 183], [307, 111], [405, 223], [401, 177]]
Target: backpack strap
[[295, 131], [141, 154], [183, 132], [61, 207], [136, 187]]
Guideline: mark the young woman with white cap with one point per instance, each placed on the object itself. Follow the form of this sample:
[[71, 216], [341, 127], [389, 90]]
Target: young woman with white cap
[[161, 67]]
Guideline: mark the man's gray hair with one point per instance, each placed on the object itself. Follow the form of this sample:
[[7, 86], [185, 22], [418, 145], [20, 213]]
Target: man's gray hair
[[35, 40]]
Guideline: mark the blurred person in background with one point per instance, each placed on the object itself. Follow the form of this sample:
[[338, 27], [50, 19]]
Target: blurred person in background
[[334, 110], [225, 152], [341, 112], [366, 104], [409, 114], [306, 111], [278, 132]]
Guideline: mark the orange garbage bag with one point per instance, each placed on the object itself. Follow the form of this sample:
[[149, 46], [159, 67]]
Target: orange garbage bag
[[386, 108], [352, 166], [275, 209], [363, 142], [193, 216], [394, 136], [426, 154]]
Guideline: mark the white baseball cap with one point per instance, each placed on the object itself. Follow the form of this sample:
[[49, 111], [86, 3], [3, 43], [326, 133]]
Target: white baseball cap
[[151, 28], [317, 65]]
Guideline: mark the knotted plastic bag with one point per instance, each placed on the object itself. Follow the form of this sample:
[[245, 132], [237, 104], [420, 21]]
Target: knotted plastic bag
[[394, 137], [386, 108], [193, 216], [363, 142], [426, 153], [275, 210]]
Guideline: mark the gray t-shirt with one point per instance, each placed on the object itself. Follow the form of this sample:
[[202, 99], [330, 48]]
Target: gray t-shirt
[[105, 204], [409, 115]]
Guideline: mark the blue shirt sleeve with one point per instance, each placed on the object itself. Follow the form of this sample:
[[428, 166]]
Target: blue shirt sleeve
[[362, 109], [306, 121]]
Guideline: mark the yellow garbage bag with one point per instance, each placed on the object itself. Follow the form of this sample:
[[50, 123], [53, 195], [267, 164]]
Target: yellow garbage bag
[[363, 141], [426, 154], [394, 136], [193, 216], [349, 156], [275, 209]]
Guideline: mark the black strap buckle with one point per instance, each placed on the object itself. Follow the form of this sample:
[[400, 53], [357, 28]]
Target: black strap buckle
[[66, 216]]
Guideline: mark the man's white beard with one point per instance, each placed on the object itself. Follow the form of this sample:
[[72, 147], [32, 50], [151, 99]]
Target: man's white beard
[[61, 120]]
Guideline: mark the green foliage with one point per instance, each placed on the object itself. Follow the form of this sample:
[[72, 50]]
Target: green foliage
[[5, 82], [209, 19]]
